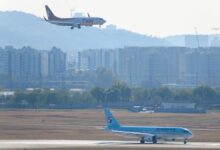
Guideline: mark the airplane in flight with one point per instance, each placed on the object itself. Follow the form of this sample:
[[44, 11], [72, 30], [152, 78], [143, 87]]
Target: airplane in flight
[[146, 133], [73, 22]]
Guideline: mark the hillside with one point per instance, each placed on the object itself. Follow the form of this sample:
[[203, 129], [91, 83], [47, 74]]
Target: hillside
[[21, 29]]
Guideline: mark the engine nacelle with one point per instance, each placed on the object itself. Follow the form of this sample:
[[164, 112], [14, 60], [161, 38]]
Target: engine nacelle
[[148, 138]]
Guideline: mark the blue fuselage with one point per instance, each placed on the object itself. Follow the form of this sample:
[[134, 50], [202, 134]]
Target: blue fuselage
[[146, 133], [159, 132]]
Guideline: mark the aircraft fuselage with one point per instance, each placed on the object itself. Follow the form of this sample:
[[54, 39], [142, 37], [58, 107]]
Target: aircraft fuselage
[[168, 133], [75, 22]]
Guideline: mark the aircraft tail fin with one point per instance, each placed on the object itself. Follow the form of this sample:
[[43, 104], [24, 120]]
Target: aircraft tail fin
[[50, 14], [111, 122]]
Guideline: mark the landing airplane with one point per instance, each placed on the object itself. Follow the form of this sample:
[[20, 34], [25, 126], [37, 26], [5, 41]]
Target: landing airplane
[[149, 134], [73, 22]]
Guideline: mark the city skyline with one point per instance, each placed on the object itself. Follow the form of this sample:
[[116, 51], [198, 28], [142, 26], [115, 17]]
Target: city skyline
[[158, 18]]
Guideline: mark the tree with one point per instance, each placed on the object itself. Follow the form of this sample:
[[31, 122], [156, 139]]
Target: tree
[[112, 95], [87, 98], [52, 98], [98, 94], [164, 93], [141, 95], [204, 94], [182, 95], [124, 91], [19, 97]]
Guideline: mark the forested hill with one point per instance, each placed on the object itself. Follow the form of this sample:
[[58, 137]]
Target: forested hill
[[21, 29]]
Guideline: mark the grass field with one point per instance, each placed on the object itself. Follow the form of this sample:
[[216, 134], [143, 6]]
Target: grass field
[[87, 124]]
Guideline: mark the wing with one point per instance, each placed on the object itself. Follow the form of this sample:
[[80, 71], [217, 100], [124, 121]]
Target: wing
[[136, 134]]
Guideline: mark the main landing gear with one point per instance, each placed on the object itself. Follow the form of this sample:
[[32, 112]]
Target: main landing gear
[[142, 141], [78, 26], [154, 140]]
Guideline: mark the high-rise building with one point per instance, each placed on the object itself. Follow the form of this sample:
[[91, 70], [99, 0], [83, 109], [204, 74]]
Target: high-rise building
[[149, 66], [202, 67], [213, 67], [3, 68], [165, 66], [29, 63], [14, 64], [44, 64], [91, 60], [28, 67], [3, 62], [87, 60], [57, 63], [134, 65]]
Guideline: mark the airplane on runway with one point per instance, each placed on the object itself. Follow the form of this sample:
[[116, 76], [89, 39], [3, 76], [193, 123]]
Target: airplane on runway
[[147, 133], [73, 22]]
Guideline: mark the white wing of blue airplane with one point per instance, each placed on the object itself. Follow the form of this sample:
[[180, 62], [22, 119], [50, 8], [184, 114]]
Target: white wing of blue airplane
[[146, 133], [73, 22]]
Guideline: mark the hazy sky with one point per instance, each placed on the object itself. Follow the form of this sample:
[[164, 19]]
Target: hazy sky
[[151, 17]]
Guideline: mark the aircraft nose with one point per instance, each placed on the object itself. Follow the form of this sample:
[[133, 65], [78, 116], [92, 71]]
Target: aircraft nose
[[190, 134], [103, 21]]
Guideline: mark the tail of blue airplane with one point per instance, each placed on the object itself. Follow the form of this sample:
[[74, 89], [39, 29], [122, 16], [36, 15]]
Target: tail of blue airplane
[[111, 122], [50, 14]]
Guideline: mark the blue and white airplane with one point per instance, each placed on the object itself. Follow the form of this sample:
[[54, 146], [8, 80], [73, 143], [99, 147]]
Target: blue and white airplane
[[149, 134], [73, 22]]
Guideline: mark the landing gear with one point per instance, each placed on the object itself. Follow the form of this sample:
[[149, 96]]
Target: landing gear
[[142, 141], [72, 28], [185, 141], [79, 26], [154, 140]]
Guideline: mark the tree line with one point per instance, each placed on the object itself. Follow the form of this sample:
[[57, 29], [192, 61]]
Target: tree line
[[117, 93]]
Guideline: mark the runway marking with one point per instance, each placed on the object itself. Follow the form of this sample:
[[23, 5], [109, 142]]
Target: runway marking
[[27, 144]]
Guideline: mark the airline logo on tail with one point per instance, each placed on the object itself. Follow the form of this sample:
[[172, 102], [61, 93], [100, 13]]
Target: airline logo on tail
[[109, 119], [50, 14]]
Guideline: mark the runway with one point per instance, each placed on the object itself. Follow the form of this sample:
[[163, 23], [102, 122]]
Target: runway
[[44, 144]]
